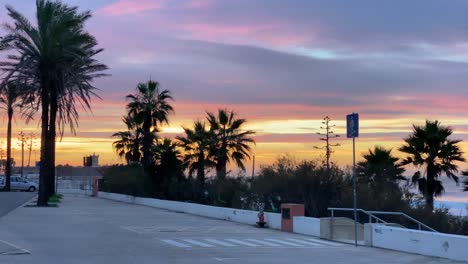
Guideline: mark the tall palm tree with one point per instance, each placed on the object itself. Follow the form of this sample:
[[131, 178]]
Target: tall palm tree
[[465, 173], [231, 142], [196, 145], [380, 167], [128, 142], [149, 107], [56, 58], [430, 148], [10, 99]]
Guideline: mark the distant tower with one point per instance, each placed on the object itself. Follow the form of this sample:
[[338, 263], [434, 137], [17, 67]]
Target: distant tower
[[91, 161]]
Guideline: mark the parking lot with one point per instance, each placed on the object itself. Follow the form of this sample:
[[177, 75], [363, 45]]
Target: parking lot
[[92, 230]]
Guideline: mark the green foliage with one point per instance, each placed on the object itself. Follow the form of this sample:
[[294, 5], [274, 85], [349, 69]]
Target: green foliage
[[288, 181], [130, 180]]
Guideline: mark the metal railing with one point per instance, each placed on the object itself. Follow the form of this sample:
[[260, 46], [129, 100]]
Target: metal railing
[[372, 216]]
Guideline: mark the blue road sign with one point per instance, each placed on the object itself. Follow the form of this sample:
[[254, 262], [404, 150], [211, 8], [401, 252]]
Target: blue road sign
[[352, 125]]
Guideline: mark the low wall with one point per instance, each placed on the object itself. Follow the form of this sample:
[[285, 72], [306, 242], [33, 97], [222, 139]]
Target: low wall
[[306, 225], [235, 215], [419, 242], [74, 191]]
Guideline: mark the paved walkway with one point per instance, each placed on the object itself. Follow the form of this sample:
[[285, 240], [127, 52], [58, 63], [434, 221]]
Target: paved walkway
[[91, 230], [11, 200]]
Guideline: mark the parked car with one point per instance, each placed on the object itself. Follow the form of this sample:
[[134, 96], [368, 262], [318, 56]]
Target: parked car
[[19, 184]]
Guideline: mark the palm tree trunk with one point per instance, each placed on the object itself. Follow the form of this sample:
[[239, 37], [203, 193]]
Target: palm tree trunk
[[9, 159], [147, 140], [201, 168], [221, 168], [430, 188], [51, 144], [44, 165]]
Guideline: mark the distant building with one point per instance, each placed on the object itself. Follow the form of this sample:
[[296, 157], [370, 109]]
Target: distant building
[[91, 161]]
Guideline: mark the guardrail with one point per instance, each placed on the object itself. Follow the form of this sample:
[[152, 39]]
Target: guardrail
[[372, 216]]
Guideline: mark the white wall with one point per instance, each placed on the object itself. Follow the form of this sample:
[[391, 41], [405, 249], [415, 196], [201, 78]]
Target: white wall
[[420, 242], [306, 225], [74, 191], [234, 215]]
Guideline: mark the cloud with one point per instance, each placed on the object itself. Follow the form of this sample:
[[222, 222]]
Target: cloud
[[127, 7]]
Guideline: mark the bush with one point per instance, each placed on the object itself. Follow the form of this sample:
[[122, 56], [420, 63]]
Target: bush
[[126, 179]]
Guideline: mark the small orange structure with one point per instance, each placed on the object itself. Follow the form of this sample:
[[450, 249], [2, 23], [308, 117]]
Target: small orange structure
[[95, 185], [288, 211]]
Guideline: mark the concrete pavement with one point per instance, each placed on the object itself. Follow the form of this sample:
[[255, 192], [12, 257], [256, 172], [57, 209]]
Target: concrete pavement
[[91, 230], [11, 200]]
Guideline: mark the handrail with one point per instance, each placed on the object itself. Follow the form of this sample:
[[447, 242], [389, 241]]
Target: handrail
[[360, 210], [420, 224], [372, 214]]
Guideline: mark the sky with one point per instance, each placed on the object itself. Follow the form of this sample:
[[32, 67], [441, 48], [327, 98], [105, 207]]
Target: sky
[[282, 65]]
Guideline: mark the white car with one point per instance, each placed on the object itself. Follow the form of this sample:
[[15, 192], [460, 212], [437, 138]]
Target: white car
[[19, 184]]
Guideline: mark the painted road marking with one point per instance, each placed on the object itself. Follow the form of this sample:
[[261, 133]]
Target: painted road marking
[[241, 242], [249, 242], [284, 242], [324, 242], [303, 242], [219, 242], [175, 243], [198, 243], [263, 242]]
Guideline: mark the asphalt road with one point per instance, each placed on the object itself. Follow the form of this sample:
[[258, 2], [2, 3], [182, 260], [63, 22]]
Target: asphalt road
[[92, 230], [11, 200]]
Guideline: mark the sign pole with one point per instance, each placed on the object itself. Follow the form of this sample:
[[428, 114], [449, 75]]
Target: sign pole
[[354, 191], [352, 129]]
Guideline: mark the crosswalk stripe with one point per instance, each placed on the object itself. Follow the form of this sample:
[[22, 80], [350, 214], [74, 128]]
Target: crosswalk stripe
[[303, 242], [320, 241], [222, 243], [284, 242], [198, 243], [175, 243], [241, 242], [263, 242]]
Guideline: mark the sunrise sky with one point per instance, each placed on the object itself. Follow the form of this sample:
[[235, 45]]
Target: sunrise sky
[[282, 65]]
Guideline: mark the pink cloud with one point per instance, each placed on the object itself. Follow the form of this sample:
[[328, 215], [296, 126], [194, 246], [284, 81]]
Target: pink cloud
[[125, 7], [199, 4]]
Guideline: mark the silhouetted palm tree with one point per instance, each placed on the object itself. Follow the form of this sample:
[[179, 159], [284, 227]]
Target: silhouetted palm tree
[[56, 59], [465, 173], [128, 144], [149, 107], [429, 148], [231, 142], [196, 144], [379, 167], [10, 99]]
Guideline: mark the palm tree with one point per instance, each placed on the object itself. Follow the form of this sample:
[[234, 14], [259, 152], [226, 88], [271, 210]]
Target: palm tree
[[10, 99], [465, 173], [430, 148], [168, 165], [196, 144], [150, 108], [380, 167], [231, 142], [56, 59], [128, 143]]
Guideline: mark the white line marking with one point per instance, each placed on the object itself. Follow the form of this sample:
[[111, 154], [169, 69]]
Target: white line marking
[[215, 241], [284, 242], [201, 244], [241, 242], [303, 242], [175, 243], [15, 246], [263, 242], [324, 242]]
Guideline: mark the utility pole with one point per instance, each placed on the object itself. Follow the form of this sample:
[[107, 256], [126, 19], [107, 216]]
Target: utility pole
[[30, 144], [22, 138], [327, 136], [253, 167]]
